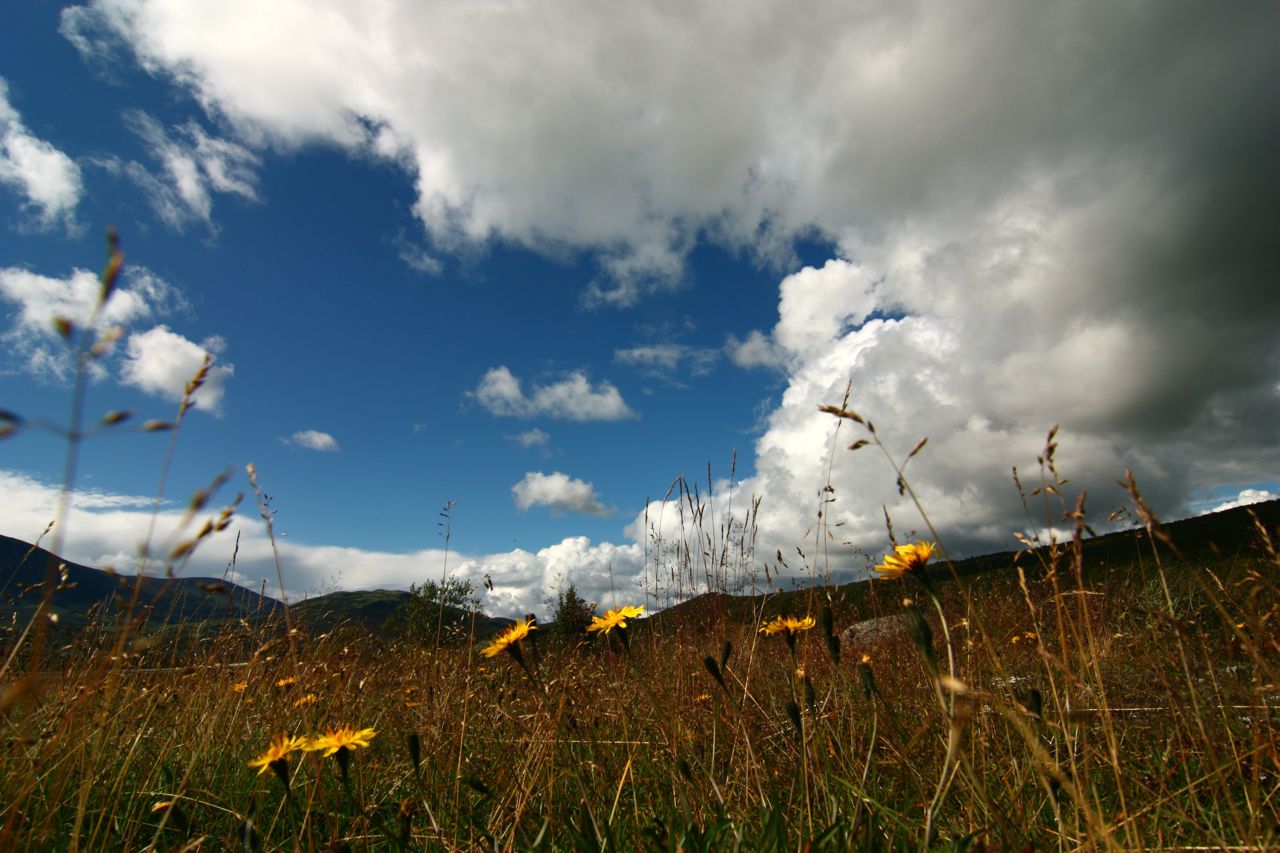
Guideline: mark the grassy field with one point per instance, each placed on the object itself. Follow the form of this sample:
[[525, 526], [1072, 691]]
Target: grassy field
[[1065, 705], [1068, 699]]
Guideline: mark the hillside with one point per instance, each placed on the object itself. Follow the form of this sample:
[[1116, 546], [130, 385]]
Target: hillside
[[87, 590], [22, 572], [1218, 536]]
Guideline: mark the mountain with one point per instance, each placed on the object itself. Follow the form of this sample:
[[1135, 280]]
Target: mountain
[[82, 589], [370, 610]]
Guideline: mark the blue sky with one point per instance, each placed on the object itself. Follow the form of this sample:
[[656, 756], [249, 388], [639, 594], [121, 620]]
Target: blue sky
[[543, 260]]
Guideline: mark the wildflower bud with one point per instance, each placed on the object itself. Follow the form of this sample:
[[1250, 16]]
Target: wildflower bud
[[408, 808], [64, 327], [280, 767], [115, 260], [343, 755], [868, 679], [714, 668], [1033, 702], [793, 711], [415, 750], [920, 633], [250, 840]]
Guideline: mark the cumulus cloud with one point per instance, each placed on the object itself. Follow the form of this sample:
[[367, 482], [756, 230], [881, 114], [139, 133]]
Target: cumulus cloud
[[755, 350], [559, 492], [1245, 498], [38, 299], [1040, 213], [573, 398], [161, 362], [47, 179], [313, 439]]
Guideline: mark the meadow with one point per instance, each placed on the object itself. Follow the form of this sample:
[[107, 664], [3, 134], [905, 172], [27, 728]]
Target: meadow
[[1063, 698]]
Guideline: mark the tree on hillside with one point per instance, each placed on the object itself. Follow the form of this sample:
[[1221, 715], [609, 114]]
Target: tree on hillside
[[573, 615], [434, 611]]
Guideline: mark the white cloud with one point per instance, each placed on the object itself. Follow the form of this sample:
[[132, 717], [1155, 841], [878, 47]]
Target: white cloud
[[313, 439], [815, 306], [140, 295], [531, 438], [559, 492], [162, 362], [1245, 498], [47, 178], [418, 259], [192, 167], [755, 350], [572, 398], [666, 358]]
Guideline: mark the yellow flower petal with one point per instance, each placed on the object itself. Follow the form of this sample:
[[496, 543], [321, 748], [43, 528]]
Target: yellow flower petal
[[512, 635], [344, 737], [615, 618]]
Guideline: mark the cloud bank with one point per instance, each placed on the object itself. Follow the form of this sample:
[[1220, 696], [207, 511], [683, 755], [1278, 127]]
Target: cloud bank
[[106, 529]]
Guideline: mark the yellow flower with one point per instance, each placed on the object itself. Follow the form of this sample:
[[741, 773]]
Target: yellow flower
[[239, 686], [305, 700], [287, 682], [346, 737], [791, 625], [279, 749], [509, 637], [615, 618], [905, 559]]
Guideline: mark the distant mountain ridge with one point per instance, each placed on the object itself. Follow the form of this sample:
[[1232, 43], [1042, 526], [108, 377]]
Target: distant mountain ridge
[[1224, 534], [182, 599], [22, 573]]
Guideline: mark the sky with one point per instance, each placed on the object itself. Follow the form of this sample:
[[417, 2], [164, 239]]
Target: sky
[[512, 277]]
